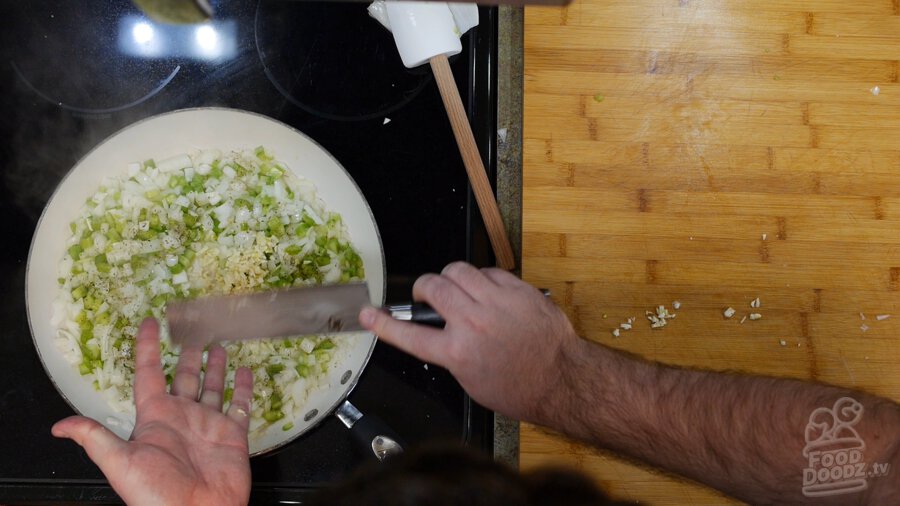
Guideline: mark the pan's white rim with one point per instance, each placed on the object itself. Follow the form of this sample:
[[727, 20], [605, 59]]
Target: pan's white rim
[[170, 134]]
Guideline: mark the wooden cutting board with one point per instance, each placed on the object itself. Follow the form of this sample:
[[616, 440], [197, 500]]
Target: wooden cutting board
[[712, 152]]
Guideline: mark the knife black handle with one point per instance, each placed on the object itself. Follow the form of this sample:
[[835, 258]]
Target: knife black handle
[[419, 312]]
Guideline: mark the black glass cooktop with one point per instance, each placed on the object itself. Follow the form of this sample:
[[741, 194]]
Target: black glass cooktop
[[73, 73]]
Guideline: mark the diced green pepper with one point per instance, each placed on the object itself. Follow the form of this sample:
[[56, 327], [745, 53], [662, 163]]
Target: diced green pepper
[[75, 251], [322, 356], [326, 344], [79, 292], [275, 227], [91, 302], [84, 323], [176, 181], [261, 154], [103, 318], [93, 351], [146, 235], [102, 263]]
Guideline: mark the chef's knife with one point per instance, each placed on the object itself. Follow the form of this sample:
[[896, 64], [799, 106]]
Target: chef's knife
[[313, 310]]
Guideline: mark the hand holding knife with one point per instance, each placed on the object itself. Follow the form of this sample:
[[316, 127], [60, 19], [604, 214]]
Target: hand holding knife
[[311, 310]]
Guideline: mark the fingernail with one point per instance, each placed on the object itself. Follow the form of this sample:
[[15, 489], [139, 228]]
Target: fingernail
[[367, 316]]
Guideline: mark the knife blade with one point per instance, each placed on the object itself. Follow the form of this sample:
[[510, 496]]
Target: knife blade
[[312, 310]]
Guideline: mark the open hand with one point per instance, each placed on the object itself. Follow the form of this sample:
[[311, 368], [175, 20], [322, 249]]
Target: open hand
[[184, 449], [504, 341]]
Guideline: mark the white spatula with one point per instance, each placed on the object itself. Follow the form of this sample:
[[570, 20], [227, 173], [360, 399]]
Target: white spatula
[[430, 32]]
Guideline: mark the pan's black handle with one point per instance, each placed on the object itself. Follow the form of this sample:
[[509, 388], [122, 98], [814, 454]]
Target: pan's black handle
[[373, 435]]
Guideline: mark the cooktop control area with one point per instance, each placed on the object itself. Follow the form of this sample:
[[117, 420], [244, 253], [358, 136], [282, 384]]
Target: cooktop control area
[[73, 73]]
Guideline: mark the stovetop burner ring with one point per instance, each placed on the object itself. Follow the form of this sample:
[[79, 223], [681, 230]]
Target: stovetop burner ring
[[86, 57], [366, 81], [89, 110]]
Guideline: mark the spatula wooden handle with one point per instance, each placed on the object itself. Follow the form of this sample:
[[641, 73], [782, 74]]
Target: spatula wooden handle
[[490, 213]]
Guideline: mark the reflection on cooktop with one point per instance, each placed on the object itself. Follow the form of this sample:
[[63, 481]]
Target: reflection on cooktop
[[74, 38], [365, 79]]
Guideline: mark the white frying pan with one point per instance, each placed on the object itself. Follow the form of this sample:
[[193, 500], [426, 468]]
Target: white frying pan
[[177, 133]]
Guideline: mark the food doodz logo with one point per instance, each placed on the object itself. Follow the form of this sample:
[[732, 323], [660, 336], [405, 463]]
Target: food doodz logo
[[835, 451]]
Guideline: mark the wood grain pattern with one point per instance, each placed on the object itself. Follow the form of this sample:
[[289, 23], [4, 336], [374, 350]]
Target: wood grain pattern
[[663, 139]]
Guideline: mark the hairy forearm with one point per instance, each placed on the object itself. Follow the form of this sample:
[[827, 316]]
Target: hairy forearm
[[743, 435]]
